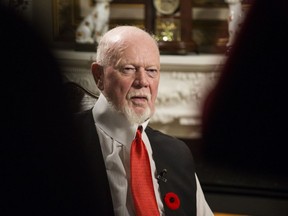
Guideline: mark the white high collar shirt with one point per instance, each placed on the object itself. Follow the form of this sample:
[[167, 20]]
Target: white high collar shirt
[[116, 135]]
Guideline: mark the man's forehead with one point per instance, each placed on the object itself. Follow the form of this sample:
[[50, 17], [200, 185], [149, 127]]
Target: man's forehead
[[138, 60]]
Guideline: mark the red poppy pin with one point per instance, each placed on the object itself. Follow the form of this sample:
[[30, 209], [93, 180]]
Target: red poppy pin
[[172, 201]]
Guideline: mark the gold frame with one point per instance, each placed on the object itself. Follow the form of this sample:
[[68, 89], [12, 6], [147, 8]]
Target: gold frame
[[64, 19]]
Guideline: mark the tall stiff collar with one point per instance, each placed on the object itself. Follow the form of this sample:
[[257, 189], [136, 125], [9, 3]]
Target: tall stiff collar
[[114, 123]]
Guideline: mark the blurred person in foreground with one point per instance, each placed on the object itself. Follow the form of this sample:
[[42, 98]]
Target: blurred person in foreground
[[245, 116], [40, 158], [127, 72]]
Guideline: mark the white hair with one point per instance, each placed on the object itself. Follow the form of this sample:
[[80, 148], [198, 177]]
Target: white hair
[[114, 42]]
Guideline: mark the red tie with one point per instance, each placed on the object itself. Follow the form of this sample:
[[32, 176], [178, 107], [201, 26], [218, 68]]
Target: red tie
[[141, 179]]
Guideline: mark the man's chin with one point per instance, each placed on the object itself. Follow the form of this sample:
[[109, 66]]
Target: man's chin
[[139, 110], [137, 115]]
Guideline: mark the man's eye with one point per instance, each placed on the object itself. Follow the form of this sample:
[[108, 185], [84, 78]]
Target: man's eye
[[152, 72], [129, 70]]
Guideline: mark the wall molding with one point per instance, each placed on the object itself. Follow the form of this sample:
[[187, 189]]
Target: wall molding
[[185, 81]]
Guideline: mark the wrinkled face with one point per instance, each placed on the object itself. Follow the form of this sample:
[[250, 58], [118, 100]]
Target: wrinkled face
[[131, 85]]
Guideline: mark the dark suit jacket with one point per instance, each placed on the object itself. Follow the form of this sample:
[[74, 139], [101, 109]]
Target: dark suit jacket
[[168, 152]]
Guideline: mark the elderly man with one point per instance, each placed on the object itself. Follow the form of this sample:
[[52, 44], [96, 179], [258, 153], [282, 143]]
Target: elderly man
[[159, 177]]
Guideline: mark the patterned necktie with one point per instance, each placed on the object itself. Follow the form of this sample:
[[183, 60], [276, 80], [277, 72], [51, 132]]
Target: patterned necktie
[[141, 180]]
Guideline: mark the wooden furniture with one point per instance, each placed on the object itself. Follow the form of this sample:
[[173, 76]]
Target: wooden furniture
[[184, 44]]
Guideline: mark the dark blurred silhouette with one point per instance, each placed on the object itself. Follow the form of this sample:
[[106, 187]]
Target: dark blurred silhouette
[[42, 168], [245, 116]]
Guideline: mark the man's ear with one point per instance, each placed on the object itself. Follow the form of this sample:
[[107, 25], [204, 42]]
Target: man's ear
[[98, 74]]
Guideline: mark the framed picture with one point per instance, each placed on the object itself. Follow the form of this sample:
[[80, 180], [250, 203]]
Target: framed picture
[[65, 20], [210, 25], [211, 36]]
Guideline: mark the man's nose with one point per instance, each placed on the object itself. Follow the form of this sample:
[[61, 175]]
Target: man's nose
[[141, 77]]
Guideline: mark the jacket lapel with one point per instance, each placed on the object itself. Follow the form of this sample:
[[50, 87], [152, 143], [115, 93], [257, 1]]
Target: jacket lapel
[[168, 175], [97, 181]]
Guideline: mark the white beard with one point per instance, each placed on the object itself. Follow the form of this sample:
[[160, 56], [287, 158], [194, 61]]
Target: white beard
[[135, 118], [130, 115]]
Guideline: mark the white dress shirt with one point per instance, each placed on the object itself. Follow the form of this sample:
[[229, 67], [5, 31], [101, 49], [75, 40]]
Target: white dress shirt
[[116, 135]]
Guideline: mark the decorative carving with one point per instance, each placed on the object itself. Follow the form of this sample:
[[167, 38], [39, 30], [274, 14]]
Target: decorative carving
[[180, 96], [183, 86], [179, 99]]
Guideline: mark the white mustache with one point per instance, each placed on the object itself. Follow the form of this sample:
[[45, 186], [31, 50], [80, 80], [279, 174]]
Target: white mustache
[[139, 94]]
